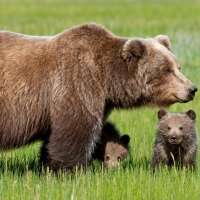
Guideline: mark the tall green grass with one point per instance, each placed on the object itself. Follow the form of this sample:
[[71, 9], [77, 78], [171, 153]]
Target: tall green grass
[[19, 169]]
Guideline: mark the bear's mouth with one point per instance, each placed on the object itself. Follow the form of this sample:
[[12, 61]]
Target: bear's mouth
[[189, 98], [174, 142]]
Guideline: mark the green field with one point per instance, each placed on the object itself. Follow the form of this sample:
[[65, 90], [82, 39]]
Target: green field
[[180, 20]]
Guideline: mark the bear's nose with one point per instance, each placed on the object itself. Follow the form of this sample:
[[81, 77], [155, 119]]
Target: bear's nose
[[192, 90], [174, 137]]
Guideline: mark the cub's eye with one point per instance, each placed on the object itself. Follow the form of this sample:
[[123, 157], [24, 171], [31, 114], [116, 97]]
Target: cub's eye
[[169, 128], [168, 70], [119, 158], [180, 128], [107, 157]]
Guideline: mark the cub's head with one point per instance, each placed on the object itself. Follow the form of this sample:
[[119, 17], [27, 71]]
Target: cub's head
[[116, 151], [176, 127], [154, 73]]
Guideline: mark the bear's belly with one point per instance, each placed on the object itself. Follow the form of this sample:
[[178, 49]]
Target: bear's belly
[[23, 119]]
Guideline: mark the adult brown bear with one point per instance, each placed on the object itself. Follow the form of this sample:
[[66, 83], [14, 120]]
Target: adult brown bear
[[61, 89]]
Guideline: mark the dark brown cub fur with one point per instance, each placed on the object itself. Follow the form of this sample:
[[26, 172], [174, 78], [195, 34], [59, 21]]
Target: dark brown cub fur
[[111, 148], [176, 140]]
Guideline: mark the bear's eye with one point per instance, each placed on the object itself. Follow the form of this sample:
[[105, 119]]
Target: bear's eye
[[179, 68], [119, 158], [168, 127], [107, 157], [168, 70], [180, 128]]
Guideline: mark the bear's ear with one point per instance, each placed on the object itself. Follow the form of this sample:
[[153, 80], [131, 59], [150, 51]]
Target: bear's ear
[[161, 113], [133, 49], [191, 114], [164, 40], [124, 140]]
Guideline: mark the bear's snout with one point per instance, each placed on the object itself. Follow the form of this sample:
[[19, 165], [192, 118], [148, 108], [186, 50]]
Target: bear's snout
[[192, 90], [175, 139]]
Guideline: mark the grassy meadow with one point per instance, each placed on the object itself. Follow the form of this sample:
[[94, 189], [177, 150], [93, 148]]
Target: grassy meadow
[[180, 20]]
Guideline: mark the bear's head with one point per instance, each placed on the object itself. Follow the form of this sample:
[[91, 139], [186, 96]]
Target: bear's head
[[154, 74], [116, 151], [176, 127]]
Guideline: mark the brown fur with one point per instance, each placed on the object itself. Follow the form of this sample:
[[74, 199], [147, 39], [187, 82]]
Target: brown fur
[[112, 148], [61, 89], [176, 140]]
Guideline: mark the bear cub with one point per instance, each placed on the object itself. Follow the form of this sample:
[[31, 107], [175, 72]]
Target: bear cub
[[111, 148], [176, 140]]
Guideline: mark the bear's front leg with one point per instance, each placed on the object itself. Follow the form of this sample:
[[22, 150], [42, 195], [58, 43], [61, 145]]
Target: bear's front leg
[[159, 157], [189, 159], [71, 142]]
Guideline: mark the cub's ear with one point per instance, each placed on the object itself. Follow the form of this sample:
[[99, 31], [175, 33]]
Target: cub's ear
[[133, 49], [161, 114], [191, 114], [124, 140], [164, 40]]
